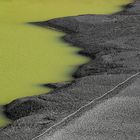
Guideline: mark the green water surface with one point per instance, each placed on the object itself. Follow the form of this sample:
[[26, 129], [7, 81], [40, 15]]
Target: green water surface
[[30, 55]]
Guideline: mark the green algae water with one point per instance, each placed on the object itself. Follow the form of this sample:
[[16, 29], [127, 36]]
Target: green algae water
[[30, 55]]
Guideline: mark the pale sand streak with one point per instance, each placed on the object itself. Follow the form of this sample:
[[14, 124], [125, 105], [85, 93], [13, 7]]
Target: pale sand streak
[[68, 117]]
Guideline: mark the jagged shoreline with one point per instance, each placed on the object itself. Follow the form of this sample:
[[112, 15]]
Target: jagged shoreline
[[112, 43]]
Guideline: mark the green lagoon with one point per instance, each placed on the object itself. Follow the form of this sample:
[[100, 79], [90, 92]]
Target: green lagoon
[[31, 55]]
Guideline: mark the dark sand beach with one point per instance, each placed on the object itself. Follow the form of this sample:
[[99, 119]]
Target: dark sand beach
[[112, 43]]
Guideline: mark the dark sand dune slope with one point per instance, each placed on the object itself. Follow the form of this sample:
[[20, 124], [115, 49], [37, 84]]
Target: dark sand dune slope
[[114, 119]]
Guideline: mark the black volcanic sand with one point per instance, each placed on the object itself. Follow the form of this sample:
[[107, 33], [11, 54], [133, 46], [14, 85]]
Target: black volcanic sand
[[112, 43]]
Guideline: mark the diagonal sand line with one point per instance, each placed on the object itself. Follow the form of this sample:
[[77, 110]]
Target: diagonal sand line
[[88, 104]]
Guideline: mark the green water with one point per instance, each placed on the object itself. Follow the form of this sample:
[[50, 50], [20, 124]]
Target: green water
[[29, 55]]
